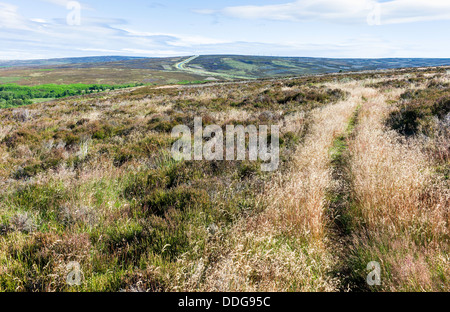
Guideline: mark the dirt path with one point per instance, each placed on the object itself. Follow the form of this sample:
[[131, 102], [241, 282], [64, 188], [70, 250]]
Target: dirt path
[[354, 194], [399, 207], [388, 206], [286, 247]]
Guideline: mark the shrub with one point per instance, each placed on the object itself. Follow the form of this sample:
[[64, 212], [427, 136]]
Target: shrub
[[180, 198], [23, 222], [417, 108]]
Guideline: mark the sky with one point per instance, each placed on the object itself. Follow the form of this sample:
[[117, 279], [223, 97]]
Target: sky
[[36, 29]]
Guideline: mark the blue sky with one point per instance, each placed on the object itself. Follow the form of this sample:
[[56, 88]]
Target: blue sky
[[31, 29]]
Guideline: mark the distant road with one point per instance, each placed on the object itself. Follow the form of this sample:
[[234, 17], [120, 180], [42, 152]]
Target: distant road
[[181, 65]]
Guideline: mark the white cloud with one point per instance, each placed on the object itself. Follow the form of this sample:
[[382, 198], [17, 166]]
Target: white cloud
[[39, 20], [179, 40], [154, 52], [409, 11], [22, 37], [344, 11], [204, 11], [127, 51], [10, 18], [64, 3], [58, 2], [300, 10], [189, 41], [55, 38]]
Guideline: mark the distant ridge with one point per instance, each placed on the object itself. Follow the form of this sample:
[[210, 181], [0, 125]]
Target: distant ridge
[[186, 69], [65, 61], [263, 66], [245, 63]]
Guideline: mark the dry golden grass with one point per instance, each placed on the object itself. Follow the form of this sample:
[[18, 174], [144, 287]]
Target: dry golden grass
[[90, 179], [401, 207], [399, 214], [284, 248]]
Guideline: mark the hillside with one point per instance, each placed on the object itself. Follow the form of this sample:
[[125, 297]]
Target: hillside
[[263, 66], [66, 61], [363, 178], [172, 70]]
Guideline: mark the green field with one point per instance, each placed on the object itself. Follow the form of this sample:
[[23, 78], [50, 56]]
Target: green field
[[10, 79], [12, 95]]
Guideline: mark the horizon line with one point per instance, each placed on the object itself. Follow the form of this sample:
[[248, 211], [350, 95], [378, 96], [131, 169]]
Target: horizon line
[[227, 54]]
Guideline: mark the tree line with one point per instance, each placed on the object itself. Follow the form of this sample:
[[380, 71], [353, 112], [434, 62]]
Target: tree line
[[12, 95]]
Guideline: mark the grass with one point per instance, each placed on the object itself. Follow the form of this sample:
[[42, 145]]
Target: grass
[[340, 203], [90, 179], [40, 100], [235, 66], [95, 179], [10, 79], [242, 67], [12, 95], [186, 82], [112, 74], [399, 205]]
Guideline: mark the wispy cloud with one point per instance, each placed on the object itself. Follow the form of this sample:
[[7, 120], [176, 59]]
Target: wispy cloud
[[10, 18], [26, 34], [97, 35], [58, 2], [64, 3], [179, 40], [410, 11], [343, 11]]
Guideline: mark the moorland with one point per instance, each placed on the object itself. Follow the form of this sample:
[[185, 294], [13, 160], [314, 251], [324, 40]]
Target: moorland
[[363, 177]]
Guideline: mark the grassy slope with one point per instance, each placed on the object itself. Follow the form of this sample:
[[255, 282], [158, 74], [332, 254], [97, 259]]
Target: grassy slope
[[262, 66], [91, 180], [104, 75], [106, 192], [62, 61]]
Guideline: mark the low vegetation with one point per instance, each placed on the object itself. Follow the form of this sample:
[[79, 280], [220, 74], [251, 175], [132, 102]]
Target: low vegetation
[[95, 177], [13, 95], [363, 177]]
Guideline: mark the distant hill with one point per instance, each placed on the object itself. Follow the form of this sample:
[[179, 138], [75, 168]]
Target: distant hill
[[168, 70], [66, 61], [263, 66]]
